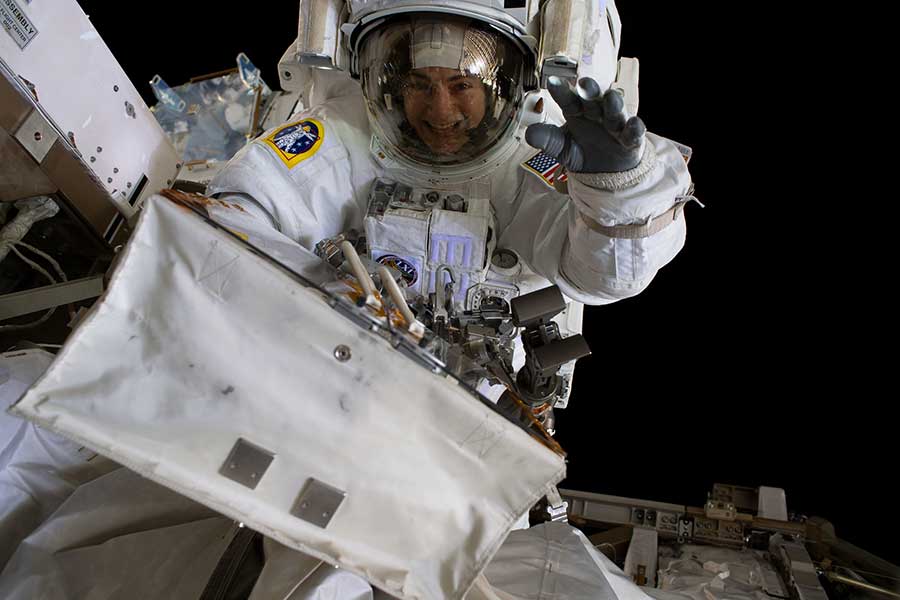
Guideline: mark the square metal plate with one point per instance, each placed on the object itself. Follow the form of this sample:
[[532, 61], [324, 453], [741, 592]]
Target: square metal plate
[[246, 463], [317, 502], [36, 135]]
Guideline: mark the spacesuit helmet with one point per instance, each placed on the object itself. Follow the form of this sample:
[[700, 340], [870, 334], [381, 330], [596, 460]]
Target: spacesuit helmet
[[441, 89]]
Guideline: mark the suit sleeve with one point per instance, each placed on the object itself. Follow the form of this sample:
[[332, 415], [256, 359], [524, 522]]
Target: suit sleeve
[[627, 225], [606, 240]]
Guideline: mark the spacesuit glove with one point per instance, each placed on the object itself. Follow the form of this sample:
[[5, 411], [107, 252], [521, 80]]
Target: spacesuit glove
[[597, 136]]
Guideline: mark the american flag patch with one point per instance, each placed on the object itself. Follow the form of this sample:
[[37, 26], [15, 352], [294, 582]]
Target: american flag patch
[[546, 167]]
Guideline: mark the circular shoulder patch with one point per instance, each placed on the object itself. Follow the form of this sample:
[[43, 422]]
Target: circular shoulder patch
[[295, 142], [406, 268]]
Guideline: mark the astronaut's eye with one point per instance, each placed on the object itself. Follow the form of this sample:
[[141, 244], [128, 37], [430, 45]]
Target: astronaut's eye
[[417, 84], [461, 86]]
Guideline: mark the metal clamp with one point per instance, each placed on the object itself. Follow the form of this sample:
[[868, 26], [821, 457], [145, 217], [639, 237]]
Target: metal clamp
[[557, 508]]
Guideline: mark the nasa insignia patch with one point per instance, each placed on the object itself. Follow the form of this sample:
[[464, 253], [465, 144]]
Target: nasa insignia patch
[[295, 142], [406, 268]]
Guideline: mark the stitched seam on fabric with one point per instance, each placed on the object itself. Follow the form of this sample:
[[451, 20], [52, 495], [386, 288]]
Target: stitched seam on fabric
[[607, 282], [546, 569], [481, 562], [615, 258], [634, 260]]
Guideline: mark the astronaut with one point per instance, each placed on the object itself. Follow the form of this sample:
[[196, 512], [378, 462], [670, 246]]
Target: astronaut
[[449, 116], [503, 188]]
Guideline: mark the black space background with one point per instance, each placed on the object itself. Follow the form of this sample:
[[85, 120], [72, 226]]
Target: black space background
[[760, 356]]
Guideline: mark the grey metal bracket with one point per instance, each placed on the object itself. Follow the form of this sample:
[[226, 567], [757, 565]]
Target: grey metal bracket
[[36, 135], [246, 463], [317, 502]]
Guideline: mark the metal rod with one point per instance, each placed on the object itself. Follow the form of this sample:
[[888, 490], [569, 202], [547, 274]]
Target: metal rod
[[440, 290], [48, 296], [362, 275], [254, 120], [213, 75], [860, 584], [396, 295]]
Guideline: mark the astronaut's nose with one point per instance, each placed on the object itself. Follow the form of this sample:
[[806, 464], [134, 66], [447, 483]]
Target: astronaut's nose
[[442, 111]]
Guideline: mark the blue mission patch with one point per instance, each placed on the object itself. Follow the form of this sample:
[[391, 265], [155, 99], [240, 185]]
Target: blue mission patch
[[297, 141], [298, 138], [406, 268]]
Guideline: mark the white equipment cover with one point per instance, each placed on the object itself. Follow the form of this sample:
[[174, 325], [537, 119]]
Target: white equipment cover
[[555, 561], [38, 470], [711, 573], [200, 342]]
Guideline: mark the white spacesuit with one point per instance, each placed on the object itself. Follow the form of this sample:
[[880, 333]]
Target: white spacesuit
[[447, 92], [444, 107]]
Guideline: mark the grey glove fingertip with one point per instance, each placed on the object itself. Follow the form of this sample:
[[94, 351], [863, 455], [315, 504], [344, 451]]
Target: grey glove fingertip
[[613, 104], [549, 138], [633, 132], [565, 96], [588, 89], [555, 81], [613, 112]]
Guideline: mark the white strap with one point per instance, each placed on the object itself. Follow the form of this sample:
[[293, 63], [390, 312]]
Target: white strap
[[557, 508], [633, 232]]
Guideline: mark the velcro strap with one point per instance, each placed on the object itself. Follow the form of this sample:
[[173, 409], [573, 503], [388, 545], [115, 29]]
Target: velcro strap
[[633, 232]]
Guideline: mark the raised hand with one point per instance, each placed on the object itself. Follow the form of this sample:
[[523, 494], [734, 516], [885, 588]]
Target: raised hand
[[597, 137]]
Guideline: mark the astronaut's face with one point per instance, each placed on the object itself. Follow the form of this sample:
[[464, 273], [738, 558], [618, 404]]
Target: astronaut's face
[[440, 89], [443, 106]]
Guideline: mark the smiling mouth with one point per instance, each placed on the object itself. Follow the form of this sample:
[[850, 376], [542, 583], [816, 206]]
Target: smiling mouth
[[444, 128]]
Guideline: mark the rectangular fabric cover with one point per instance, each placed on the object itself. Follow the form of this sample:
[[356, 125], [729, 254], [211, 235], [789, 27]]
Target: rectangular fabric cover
[[200, 341]]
